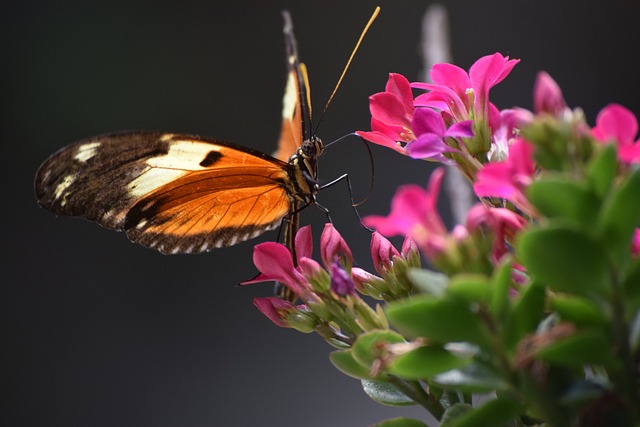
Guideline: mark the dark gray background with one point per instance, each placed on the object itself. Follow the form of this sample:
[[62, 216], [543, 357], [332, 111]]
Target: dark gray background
[[101, 332]]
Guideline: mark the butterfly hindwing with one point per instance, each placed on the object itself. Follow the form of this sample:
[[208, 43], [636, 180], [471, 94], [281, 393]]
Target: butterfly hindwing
[[174, 193]]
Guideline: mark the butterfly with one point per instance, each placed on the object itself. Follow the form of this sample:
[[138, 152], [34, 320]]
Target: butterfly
[[187, 194]]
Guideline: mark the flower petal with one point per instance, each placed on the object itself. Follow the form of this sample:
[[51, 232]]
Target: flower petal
[[428, 146], [388, 108], [426, 120], [616, 122], [488, 71], [460, 130], [399, 86], [275, 309], [304, 243], [451, 76], [274, 261], [380, 138]]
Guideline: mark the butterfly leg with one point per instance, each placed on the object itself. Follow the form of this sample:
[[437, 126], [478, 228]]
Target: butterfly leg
[[354, 205]]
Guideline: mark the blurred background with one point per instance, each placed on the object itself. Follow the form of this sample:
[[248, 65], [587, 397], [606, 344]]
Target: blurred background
[[101, 332]]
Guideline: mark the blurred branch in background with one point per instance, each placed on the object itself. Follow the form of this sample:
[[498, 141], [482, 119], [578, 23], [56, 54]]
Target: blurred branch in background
[[435, 47]]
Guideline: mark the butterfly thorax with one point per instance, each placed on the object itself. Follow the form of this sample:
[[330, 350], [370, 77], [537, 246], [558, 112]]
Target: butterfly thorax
[[305, 170]]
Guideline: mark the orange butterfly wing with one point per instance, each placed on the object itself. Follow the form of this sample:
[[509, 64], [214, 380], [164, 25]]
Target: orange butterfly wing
[[174, 193], [186, 194]]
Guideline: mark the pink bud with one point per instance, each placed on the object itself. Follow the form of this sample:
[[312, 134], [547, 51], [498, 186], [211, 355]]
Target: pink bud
[[547, 96], [382, 252], [333, 246]]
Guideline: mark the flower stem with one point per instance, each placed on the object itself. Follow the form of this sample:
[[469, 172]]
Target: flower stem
[[418, 394], [627, 377]]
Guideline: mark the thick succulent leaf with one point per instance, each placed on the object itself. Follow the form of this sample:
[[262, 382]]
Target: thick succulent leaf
[[440, 320], [578, 310], [495, 412], [620, 217], [425, 362], [367, 347], [560, 198], [401, 422], [385, 393], [602, 170], [582, 348], [344, 361], [474, 378], [568, 260], [427, 281]]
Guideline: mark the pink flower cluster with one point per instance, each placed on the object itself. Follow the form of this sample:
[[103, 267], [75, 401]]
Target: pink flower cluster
[[414, 214], [453, 122]]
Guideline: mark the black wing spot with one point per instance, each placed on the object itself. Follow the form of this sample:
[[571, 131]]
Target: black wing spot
[[210, 159]]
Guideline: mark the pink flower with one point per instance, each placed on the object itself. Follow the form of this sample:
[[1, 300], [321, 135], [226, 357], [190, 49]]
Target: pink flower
[[414, 213], [503, 223], [465, 95], [635, 243], [432, 133], [508, 179], [616, 123], [391, 114], [286, 315], [547, 96], [510, 121], [275, 309], [274, 262]]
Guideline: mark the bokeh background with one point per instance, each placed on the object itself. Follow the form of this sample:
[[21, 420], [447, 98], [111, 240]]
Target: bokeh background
[[100, 332]]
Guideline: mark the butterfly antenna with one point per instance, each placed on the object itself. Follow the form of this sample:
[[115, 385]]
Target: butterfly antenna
[[346, 67]]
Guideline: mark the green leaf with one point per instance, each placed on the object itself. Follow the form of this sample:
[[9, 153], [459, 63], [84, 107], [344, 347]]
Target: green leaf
[[427, 281], [525, 314], [454, 412], [578, 310], [474, 378], [582, 348], [631, 283], [401, 422], [385, 393], [424, 362], [470, 287], [559, 198], [566, 259], [500, 287], [493, 413], [620, 217], [441, 320], [344, 361], [367, 348], [602, 170]]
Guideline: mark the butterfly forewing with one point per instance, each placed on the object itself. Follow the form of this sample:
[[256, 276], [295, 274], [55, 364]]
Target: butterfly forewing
[[174, 193]]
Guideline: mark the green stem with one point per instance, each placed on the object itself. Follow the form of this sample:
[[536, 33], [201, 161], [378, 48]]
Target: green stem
[[414, 390], [627, 378]]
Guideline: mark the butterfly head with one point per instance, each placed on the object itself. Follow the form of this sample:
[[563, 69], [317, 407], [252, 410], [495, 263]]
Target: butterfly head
[[311, 148]]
